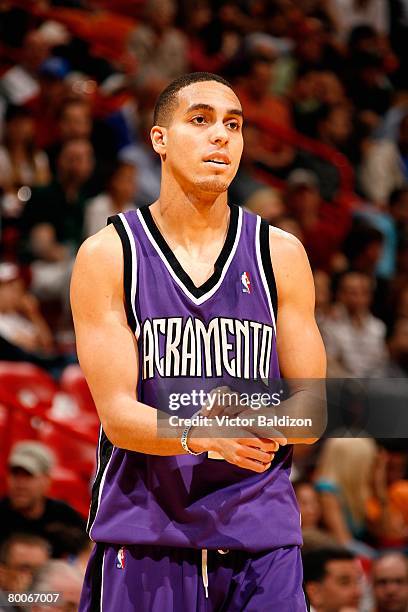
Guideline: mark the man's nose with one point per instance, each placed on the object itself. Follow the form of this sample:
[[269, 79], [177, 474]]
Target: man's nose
[[219, 133]]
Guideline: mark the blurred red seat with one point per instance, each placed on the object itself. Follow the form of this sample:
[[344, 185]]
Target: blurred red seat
[[30, 385], [25, 385], [71, 452], [67, 486], [74, 383]]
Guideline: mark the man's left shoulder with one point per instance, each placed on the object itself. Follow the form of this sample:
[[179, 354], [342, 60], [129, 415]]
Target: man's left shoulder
[[286, 247]]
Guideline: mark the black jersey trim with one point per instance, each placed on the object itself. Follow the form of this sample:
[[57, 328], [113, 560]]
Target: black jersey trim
[[177, 268], [96, 578], [105, 453], [267, 265], [127, 269]]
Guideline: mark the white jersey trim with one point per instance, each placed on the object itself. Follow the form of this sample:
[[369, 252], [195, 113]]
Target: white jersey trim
[[262, 271], [102, 483], [134, 270], [212, 291]]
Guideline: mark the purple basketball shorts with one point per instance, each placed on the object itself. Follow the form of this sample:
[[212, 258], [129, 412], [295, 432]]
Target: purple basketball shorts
[[161, 579]]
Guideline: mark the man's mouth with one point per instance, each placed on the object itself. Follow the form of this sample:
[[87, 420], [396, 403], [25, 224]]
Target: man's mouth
[[220, 159]]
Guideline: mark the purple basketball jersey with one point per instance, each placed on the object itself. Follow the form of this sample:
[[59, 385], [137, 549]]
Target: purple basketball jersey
[[220, 333]]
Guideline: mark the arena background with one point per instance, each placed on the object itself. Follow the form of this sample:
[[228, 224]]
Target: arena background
[[324, 89]]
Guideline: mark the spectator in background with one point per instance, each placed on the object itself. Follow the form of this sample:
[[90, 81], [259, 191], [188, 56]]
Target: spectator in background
[[389, 576], [344, 490], [21, 555], [312, 91], [211, 46], [332, 578], [267, 203], [146, 162], [21, 321], [309, 504], [45, 106], [261, 107], [387, 510], [19, 83], [76, 122], [352, 13], [369, 87], [158, 46], [398, 207], [21, 163], [290, 225], [323, 296], [62, 578], [119, 197], [24, 333], [53, 220], [334, 129], [385, 167], [26, 508], [354, 338], [323, 225], [397, 366]]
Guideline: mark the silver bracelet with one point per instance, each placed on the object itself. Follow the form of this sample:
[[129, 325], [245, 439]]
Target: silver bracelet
[[184, 444]]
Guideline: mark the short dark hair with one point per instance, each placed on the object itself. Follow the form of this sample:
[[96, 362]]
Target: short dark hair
[[361, 236], [315, 562], [167, 100]]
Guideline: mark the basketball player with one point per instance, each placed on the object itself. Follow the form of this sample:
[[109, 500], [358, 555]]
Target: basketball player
[[190, 287]]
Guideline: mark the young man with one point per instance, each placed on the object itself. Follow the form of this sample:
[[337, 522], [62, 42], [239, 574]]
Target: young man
[[184, 290], [333, 580]]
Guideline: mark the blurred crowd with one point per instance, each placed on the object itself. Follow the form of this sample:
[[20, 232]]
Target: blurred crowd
[[324, 89]]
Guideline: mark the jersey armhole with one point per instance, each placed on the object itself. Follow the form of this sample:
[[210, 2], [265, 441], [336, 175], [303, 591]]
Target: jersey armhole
[[129, 269], [267, 266]]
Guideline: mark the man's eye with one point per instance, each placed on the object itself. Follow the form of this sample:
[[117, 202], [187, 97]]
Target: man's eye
[[199, 120], [234, 125]]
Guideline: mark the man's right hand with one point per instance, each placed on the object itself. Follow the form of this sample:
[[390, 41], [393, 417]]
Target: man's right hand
[[254, 454]]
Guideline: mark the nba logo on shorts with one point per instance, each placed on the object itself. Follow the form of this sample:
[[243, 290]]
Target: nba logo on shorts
[[245, 282], [120, 558]]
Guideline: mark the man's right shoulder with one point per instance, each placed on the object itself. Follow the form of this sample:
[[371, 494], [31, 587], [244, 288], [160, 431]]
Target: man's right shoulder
[[103, 249]]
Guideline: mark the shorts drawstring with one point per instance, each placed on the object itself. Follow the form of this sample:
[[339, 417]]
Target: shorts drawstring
[[204, 570], [204, 566]]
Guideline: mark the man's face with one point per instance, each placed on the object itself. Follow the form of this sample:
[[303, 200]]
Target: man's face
[[123, 184], [309, 505], [340, 588], [25, 489], [355, 293], [75, 122], [202, 145], [76, 161], [23, 561], [390, 584], [69, 589]]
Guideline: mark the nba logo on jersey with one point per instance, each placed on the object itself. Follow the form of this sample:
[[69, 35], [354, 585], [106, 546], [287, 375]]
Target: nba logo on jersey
[[245, 282], [120, 558]]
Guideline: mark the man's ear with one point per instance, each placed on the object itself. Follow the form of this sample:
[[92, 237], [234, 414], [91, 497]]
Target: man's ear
[[313, 590], [158, 135]]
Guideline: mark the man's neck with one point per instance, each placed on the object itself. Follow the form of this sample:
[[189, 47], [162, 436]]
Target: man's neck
[[191, 219]]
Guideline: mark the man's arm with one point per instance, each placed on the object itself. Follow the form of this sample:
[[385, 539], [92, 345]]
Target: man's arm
[[108, 354], [107, 348], [300, 347]]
